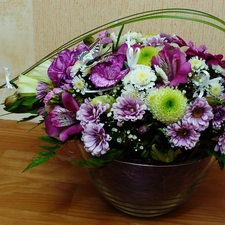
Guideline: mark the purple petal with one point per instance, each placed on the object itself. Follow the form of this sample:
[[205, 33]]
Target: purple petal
[[69, 102]]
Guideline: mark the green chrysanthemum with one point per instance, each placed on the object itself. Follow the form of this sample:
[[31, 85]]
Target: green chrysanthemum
[[146, 55], [169, 106]]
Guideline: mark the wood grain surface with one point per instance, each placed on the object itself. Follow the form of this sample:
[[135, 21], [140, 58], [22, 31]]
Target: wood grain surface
[[57, 193]]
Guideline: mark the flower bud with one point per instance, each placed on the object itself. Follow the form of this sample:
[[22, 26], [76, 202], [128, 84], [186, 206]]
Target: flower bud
[[89, 40], [11, 99], [143, 129], [105, 99]]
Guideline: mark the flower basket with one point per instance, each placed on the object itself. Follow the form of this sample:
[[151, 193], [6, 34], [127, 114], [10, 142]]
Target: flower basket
[[153, 102]]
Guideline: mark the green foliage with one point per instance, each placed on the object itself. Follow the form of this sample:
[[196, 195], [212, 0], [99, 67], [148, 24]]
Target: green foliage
[[118, 39], [220, 158], [28, 104], [28, 118], [91, 162], [48, 154], [164, 157], [50, 140]]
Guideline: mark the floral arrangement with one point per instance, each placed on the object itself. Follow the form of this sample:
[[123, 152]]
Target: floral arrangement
[[130, 96]]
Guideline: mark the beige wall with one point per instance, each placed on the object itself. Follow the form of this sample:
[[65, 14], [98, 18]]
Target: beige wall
[[30, 29]]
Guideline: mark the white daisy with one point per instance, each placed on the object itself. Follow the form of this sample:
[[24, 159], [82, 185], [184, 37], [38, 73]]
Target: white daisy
[[142, 77], [215, 87], [79, 84], [198, 64], [218, 69]]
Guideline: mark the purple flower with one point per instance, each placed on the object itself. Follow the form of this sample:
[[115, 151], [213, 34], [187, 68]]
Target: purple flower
[[41, 111], [174, 64], [198, 114], [201, 48], [61, 122], [173, 39], [219, 116], [50, 95], [154, 41], [95, 139], [162, 38], [90, 113], [182, 135], [143, 129], [128, 108], [42, 90], [203, 54], [221, 144], [105, 37], [109, 72], [59, 70]]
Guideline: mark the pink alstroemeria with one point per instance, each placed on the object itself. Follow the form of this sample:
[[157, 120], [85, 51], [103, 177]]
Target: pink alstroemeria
[[174, 64], [61, 122]]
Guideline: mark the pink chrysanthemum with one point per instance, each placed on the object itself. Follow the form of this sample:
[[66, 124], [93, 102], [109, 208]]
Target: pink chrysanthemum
[[198, 114], [95, 139], [182, 135], [221, 144], [219, 116], [42, 90], [90, 113], [128, 108]]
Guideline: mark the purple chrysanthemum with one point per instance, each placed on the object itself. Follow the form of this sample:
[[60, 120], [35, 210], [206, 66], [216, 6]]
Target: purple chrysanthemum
[[198, 114], [182, 135], [219, 116], [42, 90], [95, 139], [90, 113], [154, 41], [221, 144], [128, 107]]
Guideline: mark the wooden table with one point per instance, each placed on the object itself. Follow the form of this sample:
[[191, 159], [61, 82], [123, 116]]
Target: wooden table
[[59, 193]]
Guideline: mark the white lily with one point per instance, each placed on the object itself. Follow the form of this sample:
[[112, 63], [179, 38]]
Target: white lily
[[28, 83]]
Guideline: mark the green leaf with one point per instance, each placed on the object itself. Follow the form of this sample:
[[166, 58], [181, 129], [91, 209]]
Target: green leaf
[[88, 163], [118, 38], [50, 148], [28, 118], [92, 162], [164, 157], [145, 154], [41, 158], [28, 101], [50, 140], [45, 156]]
